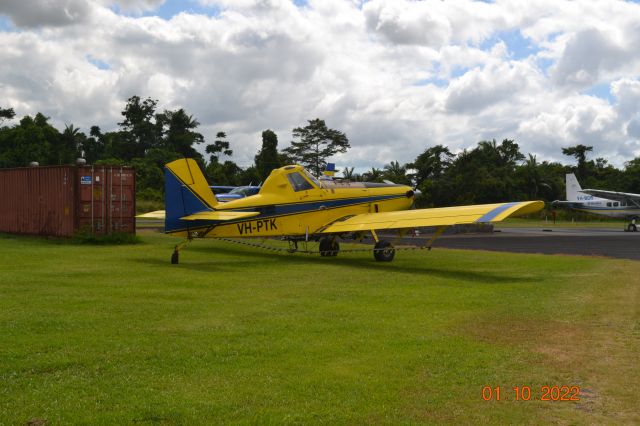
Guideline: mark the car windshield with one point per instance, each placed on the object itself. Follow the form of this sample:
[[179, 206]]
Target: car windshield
[[238, 190], [244, 190]]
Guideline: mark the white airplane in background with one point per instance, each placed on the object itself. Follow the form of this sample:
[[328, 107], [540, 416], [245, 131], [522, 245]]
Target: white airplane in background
[[606, 203]]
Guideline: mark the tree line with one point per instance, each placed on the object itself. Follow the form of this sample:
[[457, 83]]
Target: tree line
[[147, 139]]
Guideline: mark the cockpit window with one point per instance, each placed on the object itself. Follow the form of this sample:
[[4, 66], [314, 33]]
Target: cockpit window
[[298, 182], [311, 178]]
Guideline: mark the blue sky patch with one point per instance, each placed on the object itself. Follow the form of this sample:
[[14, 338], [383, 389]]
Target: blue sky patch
[[170, 8], [459, 71], [98, 63], [518, 46], [6, 24], [438, 82], [602, 91], [544, 64]]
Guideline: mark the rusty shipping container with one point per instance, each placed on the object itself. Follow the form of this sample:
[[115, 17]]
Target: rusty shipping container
[[63, 200]]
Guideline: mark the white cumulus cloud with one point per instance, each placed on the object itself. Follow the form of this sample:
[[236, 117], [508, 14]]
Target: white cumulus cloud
[[397, 76]]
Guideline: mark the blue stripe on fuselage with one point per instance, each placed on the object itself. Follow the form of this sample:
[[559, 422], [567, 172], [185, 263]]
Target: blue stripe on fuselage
[[285, 210]]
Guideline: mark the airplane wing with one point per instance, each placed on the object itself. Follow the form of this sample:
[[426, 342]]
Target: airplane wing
[[433, 217], [613, 195], [205, 215]]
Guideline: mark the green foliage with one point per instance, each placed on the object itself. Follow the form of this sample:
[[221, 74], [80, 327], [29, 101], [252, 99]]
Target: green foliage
[[631, 179], [315, 144], [580, 154], [267, 158], [179, 135], [250, 176], [373, 175], [139, 131], [109, 239], [110, 162], [6, 114], [227, 173], [219, 147], [484, 174], [349, 173], [396, 173], [432, 163], [31, 140]]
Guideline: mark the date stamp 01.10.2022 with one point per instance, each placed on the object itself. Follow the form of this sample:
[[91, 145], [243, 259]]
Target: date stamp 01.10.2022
[[529, 393]]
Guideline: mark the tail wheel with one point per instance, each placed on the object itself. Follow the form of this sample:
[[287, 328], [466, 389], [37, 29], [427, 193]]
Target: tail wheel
[[329, 247], [384, 251], [632, 227]]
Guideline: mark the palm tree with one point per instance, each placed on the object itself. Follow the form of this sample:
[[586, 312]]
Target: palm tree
[[373, 175], [396, 173], [532, 175], [348, 173], [70, 144]]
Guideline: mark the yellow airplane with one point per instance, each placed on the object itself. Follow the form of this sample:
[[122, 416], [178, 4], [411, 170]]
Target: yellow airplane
[[296, 206]]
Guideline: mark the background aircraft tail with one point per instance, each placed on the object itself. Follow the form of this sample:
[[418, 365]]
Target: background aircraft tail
[[573, 187], [186, 192]]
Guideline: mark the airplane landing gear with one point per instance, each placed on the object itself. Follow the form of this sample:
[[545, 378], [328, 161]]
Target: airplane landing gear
[[175, 257], [632, 227], [384, 251], [329, 247]]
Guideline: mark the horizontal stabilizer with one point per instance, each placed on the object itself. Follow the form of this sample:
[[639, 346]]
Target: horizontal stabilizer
[[158, 214], [219, 215], [434, 217]]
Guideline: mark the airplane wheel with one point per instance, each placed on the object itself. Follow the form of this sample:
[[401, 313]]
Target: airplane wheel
[[335, 248], [384, 251], [175, 257], [324, 246], [329, 247], [632, 227]]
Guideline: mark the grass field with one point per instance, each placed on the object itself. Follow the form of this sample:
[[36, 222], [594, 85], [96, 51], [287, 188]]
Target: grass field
[[116, 334]]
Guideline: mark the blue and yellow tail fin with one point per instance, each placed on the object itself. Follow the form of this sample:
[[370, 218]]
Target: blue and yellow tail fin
[[186, 192]]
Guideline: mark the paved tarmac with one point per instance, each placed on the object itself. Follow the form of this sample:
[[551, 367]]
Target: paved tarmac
[[606, 242]]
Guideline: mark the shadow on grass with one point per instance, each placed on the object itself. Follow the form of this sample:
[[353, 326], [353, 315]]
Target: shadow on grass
[[223, 263]]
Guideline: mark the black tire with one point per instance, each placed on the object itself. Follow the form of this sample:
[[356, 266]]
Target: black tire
[[329, 247], [335, 248], [175, 258], [384, 251], [632, 227]]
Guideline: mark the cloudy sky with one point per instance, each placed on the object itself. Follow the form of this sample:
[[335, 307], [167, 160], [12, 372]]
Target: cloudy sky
[[397, 76]]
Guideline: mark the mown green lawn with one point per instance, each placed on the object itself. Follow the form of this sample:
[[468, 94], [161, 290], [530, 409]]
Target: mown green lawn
[[116, 334]]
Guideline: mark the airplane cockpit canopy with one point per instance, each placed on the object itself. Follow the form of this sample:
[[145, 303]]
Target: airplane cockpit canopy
[[298, 182]]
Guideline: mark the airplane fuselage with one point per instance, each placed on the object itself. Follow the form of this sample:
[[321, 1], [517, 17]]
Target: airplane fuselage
[[295, 212], [602, 206]]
